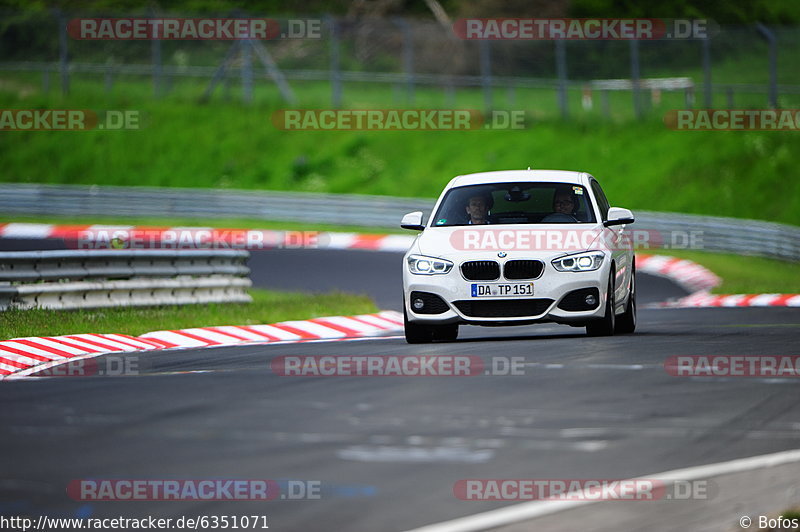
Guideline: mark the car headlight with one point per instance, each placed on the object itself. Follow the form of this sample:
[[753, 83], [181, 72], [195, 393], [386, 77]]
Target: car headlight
[[579, 262], [423, 265]]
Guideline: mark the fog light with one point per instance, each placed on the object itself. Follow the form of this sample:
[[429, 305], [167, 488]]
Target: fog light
[[590, 300], [418, 304]]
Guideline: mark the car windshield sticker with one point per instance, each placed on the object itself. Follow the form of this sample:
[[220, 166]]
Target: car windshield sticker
[[442, 221], [578, 190]]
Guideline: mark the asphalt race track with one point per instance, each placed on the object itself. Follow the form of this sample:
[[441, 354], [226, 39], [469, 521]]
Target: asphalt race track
[[387, 451]]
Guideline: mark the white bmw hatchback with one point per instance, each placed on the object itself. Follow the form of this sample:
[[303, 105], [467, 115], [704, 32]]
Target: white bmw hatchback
[[519, 247]]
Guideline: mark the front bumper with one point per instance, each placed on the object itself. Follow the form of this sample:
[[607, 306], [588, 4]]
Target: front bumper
[[549, 291]]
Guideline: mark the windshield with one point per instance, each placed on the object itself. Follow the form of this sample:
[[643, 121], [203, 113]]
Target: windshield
[[515, 203]]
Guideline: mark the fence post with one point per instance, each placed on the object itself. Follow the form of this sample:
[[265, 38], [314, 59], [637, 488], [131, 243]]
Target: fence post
[[604, 103], [486, 73], [335, 74], [449, 93], [707, 88], [155, 50], [561, 72], [108, 79], [769, 35], [408, 56], [63, 52], [247, 71], [511, 95], [635, 78]]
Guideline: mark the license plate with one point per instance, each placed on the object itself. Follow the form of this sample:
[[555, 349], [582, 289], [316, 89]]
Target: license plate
[[502, 289]]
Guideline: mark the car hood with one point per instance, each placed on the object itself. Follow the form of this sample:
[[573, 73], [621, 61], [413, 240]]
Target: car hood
[[541, 241]]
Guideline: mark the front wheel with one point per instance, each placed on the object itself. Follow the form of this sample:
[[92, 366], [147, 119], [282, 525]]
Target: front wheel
[[605, 325], [415, 333], [445, 333], [626, 322]]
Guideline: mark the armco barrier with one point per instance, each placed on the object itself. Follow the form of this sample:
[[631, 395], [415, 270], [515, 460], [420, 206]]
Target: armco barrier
[[110, 278], [718, 234]]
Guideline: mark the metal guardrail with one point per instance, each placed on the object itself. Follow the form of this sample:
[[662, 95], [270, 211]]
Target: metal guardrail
[[83, 200], [727, 235], [68, 279], [718, 234]]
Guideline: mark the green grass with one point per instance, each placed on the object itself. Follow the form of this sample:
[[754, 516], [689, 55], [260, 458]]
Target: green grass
[[267, 307], [642, 165], [743, 274]]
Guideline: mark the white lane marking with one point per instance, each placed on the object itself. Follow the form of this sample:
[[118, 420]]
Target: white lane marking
[[365, 453], [399, 243], [630, 367], [111, 228], [25, 230], [531, 510], [339, 240]]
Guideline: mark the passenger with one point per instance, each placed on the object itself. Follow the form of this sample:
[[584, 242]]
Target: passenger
[[564, 203]]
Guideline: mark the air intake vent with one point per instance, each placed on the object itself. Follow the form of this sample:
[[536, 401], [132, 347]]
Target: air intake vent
[[503, 308]]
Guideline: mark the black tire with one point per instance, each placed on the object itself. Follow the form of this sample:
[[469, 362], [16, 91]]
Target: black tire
[[445, 333], [605, 325], [415, 333], [626, 322]]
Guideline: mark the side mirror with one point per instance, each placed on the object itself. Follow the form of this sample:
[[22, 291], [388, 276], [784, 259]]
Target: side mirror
[[618, 216], [413, 220]]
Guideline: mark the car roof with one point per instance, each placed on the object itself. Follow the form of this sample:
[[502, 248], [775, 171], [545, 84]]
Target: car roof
[[504, 176]]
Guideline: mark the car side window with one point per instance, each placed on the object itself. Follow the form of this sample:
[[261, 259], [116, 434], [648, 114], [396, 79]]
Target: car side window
[[602, 202]]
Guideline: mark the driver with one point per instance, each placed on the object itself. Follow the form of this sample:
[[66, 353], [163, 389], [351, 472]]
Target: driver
[[478, 209]]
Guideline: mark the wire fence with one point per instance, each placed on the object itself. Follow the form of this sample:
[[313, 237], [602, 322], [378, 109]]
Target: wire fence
[[401, 62]]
